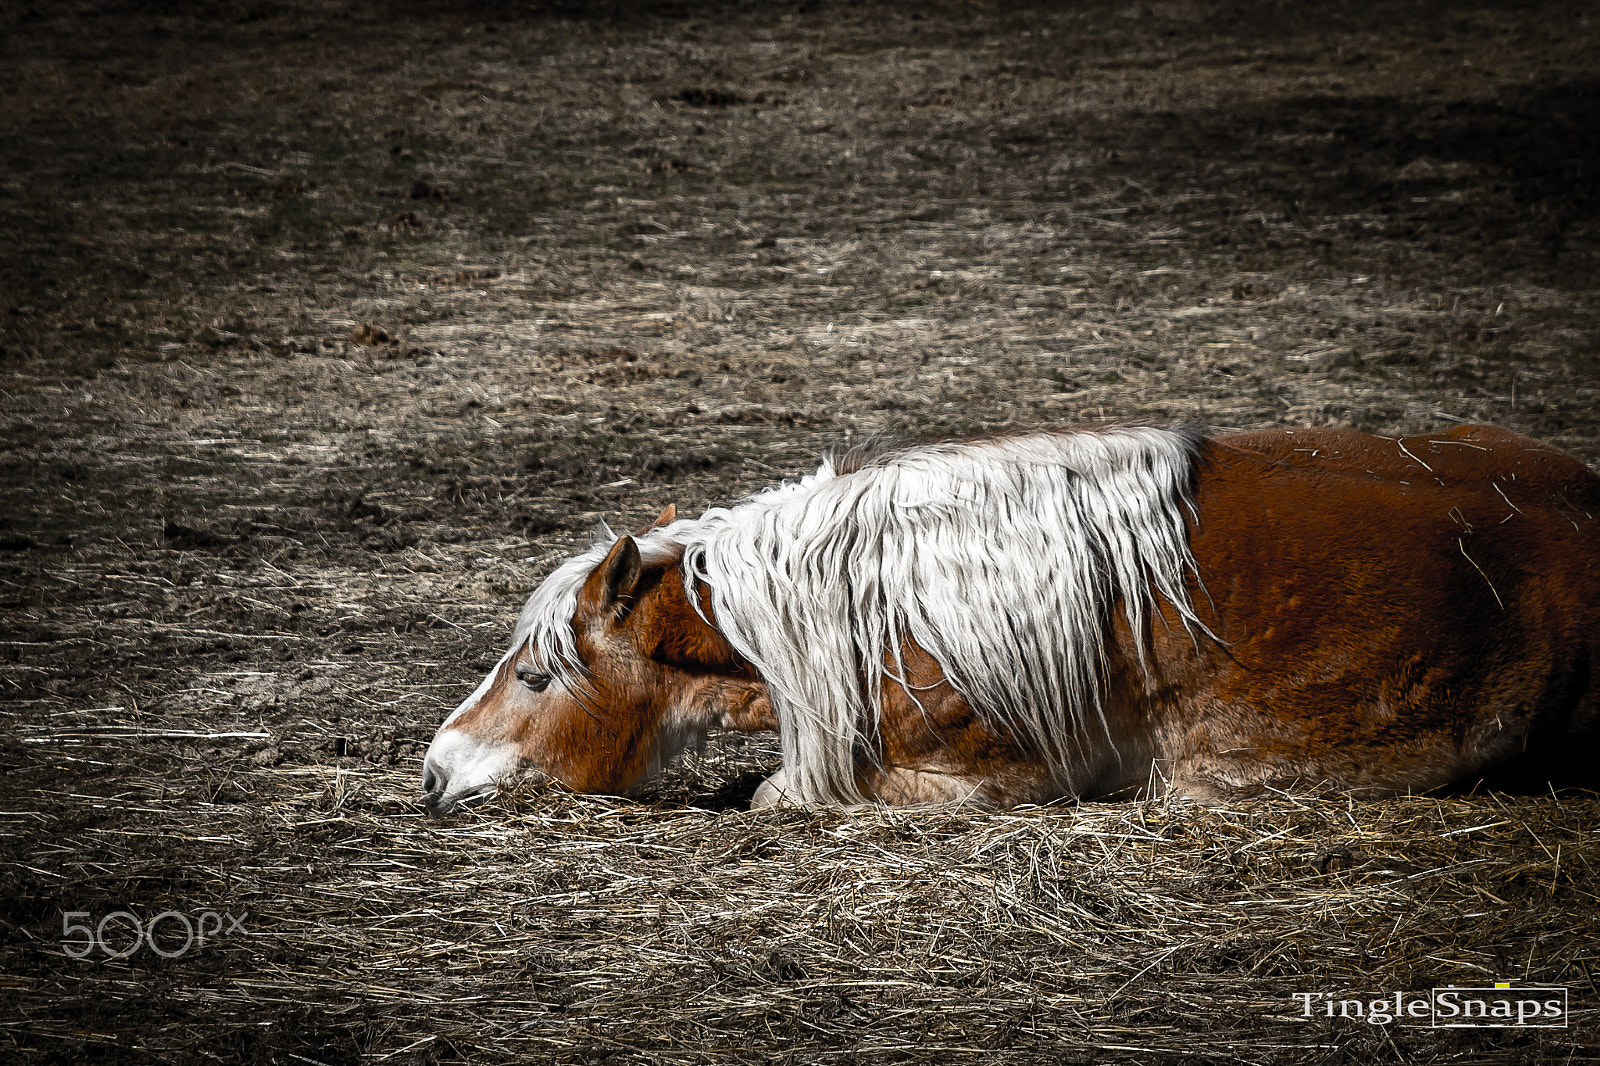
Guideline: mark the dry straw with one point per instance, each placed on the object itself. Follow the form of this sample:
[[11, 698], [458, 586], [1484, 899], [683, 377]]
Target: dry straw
[[548, 926]]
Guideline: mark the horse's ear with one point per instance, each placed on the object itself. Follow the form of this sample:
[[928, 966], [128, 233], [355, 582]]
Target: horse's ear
[[613, 580], [668, 515]]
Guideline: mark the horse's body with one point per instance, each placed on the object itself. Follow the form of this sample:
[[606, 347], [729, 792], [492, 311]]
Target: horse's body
[[1082, 613]]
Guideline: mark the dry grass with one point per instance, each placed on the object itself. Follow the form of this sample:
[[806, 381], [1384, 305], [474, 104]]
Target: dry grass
[[325, 333], [578, 929]]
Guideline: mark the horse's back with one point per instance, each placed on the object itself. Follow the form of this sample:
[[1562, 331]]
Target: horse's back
[[1390, 613], [1467, 456], [1480, 487]]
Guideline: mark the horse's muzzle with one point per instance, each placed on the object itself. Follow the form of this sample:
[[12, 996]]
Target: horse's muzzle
[[440, 803]]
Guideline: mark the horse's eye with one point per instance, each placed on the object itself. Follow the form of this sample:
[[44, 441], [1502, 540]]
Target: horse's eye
[[532, 678]]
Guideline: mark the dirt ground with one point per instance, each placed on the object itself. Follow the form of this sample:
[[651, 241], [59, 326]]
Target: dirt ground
[[327, 328]]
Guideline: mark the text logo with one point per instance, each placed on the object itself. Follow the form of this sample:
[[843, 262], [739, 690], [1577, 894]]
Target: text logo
[[1501, 1007], [121, 933]]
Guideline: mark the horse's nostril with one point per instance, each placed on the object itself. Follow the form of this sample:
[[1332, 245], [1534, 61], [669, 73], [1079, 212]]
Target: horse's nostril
[[431, 782]]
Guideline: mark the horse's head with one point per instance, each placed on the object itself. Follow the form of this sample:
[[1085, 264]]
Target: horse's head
[[612, 671]]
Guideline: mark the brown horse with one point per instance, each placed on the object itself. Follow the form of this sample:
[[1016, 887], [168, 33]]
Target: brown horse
[[1083, 613]]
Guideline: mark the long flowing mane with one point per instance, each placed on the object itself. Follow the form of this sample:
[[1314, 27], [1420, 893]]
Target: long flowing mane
[[1002, 558]]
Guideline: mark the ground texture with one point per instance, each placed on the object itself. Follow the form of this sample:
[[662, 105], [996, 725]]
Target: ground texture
[[326, 329]]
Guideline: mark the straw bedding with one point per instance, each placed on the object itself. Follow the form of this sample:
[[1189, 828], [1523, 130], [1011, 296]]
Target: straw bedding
[[551, 927]]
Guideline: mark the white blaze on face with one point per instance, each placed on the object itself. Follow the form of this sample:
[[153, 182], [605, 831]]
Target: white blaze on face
[[460, 767]]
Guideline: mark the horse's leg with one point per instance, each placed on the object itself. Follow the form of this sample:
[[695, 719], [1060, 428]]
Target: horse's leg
[[773, 792], [896, 786], [900, 786]]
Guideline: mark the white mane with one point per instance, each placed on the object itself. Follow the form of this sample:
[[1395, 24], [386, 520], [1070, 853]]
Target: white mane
[[1001, 558]]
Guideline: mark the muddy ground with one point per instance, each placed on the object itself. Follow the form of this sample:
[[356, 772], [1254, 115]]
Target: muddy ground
[[327, 329]]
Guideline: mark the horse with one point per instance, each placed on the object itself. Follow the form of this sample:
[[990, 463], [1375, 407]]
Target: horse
[[1077, 613]]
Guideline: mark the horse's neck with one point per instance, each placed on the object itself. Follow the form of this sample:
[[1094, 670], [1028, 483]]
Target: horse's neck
[[678, 635]]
